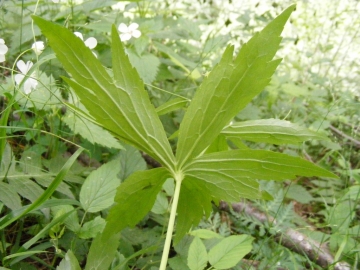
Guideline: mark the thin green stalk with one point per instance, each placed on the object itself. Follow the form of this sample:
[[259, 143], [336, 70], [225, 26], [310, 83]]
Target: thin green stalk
[[178, 180]]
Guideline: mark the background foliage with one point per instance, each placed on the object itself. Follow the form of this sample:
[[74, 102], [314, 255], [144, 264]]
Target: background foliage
[[316, 86]]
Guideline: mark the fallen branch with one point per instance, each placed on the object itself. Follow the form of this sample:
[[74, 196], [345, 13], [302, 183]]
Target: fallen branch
[[292, 239], [345, 136]]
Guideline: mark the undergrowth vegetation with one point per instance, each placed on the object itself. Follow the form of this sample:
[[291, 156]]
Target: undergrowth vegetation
[[170, 135]]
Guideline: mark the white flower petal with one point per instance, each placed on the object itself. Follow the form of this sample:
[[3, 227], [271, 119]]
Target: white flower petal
[[19, 78], [22, 66], [133, 26], [78, 34], [38, 47], [91, 42], [29, 64], [3, 49], [125, 36], [123, 28], [136, 33], [2, 41], [2, 58], [29, 85]]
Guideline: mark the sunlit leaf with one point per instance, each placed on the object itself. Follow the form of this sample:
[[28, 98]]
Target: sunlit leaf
[[230, 251], [273, 131], [91, 228], [228, 88], [244, 166], [99, 188], [90, 131], [69, 262], [198, 257], [120, 105]]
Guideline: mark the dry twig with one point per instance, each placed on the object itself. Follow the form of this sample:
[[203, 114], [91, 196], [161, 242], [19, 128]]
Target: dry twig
[[291, 238]]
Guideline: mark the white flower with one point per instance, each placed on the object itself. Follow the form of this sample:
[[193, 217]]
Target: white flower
[[129, 31], [38, 47], [91, 42], [3, 50], [30, 83]]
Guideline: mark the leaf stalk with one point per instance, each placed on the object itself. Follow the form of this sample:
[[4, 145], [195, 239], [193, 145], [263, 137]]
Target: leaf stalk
[[178, 180]]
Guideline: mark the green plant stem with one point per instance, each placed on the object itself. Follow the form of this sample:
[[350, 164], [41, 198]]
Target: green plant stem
[[165, 255]]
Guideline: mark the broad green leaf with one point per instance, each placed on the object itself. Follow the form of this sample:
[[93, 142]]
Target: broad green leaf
[[273, 131], [230, 251], [161, 204], [228, 88], [205, 234], [136, 101], [171, 105], [46, 180], [102, 253], [88, 130], [147, 65], [120, 105], [130, 161], [26, 188], [31, 165], [299, 193], [197, 257], [46, 195], [193, 204], [7, 163], [72, 221], [91, 228], [231, 175], [9, 196], [140, 191], [227, 169], [99, 188], [178, 263], [69, 262]]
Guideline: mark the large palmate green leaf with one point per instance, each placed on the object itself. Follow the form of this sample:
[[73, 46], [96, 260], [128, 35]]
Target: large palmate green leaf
[[273, 131], [138, 192], [228, 88], [120, 105], [231, 175]]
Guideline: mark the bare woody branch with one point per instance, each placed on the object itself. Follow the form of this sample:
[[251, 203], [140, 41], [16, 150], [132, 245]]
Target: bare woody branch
[[292, 239]]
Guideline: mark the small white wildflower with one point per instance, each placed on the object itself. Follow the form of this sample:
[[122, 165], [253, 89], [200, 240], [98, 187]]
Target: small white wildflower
[[91, 42], [129, 31], [3, 50], [30, 83], [38, 47]]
